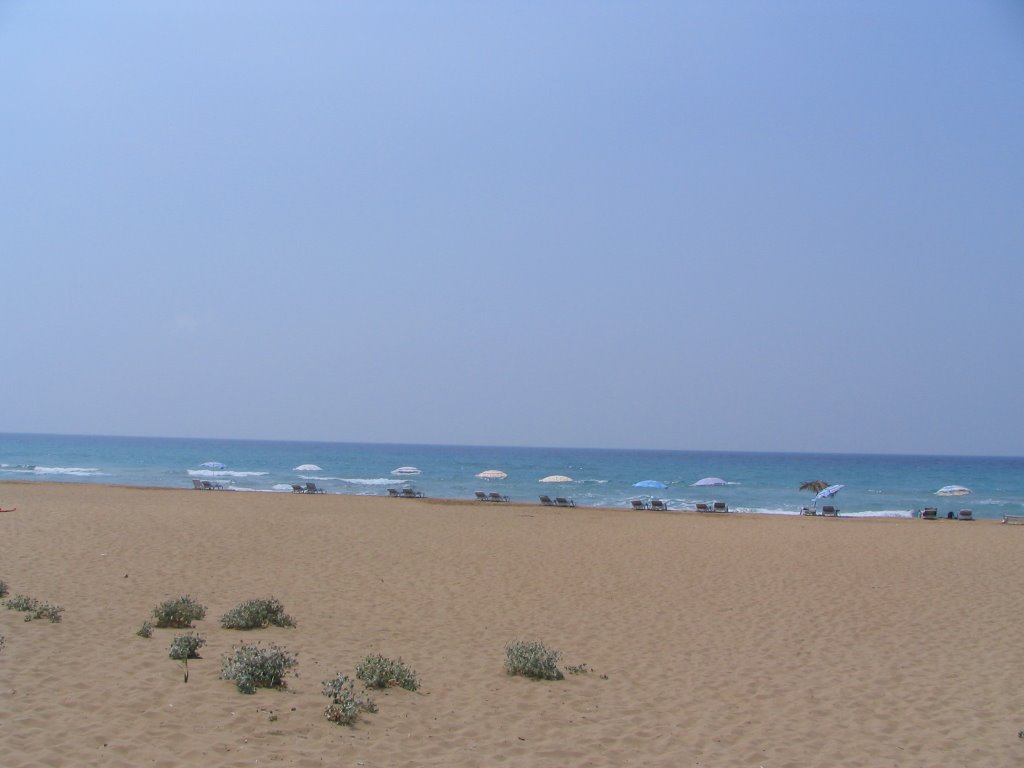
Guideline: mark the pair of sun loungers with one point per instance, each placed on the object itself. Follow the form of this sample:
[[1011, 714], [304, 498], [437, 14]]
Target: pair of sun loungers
[[932, 513], [481, 496], [560, 501], [206, 485], [307, 488], [405, 493], [826, 511], [717, 506], [656, 504]]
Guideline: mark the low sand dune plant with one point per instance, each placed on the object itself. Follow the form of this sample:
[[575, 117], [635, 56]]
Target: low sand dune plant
[[186, 647], [3, 588], [345, 706], [379, 672], [178, 613], [253, 666], [257, 614], [530, 658], [33, 609], [146, 630]]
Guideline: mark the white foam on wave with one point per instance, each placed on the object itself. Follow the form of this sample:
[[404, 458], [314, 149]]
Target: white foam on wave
[[76, 471], [223, 473], [282, 487], [880, 513]]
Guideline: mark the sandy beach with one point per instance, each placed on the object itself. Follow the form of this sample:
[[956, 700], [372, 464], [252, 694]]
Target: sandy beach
[[730, 640]]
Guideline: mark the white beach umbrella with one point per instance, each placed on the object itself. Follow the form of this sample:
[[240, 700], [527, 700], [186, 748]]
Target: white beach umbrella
[[828, 493], [213, 465], [406, 471], [555, 479], [709, 481], [308, 468], [492, 474], [952, 490]]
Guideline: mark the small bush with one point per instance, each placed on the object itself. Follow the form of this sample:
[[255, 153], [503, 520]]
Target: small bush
[[178, 614], [146, 630], [532, 659], [34, 609], [380, 672], [578, 669], [186, 647], [252, 667], [257, 614], [345, 706]]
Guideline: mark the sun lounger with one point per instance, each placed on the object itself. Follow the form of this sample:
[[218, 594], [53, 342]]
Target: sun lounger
[[208, 486], [965, 514], [719, 506], [703, 507], [808, 511], [481, 496], [393, 493], [659, 505], [638, 504], [198, 485], [297, 488], [828, 511], [409, 493], [311, 488], [546, 501], [929, 513], [561, 501], [1013, 519], [494, 496]]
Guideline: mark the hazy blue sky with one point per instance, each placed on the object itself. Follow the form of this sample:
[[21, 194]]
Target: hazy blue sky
[[699, 225]]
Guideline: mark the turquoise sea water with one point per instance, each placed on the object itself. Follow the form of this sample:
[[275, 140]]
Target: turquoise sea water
[[876, 485]]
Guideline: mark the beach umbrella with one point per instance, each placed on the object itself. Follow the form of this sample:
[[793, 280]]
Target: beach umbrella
[[828, 493], [213, 465], [709, 481], [308, 468], [405, 471], [650, 484], [814, 485], [492, 474], [555, 479], [952, 490]]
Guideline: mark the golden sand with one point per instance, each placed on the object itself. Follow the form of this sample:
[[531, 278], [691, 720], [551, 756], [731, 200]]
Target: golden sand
[[728, 640]]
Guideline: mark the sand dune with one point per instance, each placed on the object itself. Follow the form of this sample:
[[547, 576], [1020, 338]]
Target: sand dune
[[713, 640]]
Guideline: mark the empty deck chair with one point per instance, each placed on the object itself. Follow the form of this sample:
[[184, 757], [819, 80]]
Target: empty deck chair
[[638, 504], [495, 496], [208, 486], [311, 488], [808, 511], [659, 505], [297, 488], [929, 513], [409, 493], [198, 485], [703, 507], [561, 501], [719, 506], [965, 514], [393, 493], [481, 496], [828, 511], [546, 501]]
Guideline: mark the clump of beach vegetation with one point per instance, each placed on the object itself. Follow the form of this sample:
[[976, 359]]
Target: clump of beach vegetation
[[345, 706], [146, 630], [186, 646], [253, 666], [33, 609], [530, 658], [578, 669], [179, 613], [3, 588], [257, 614], [379, 672]]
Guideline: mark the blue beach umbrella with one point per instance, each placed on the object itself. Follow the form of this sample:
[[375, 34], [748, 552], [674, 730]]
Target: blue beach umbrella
[[650, 484], [828, 493]]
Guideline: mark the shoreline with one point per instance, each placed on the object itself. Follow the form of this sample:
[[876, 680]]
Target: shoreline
[[712, 639]]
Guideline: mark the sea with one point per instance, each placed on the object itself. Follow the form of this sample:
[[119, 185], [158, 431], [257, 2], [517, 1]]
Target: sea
[[768, 483]]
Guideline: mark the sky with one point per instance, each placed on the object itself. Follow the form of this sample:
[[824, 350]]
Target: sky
[[790, 226]]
